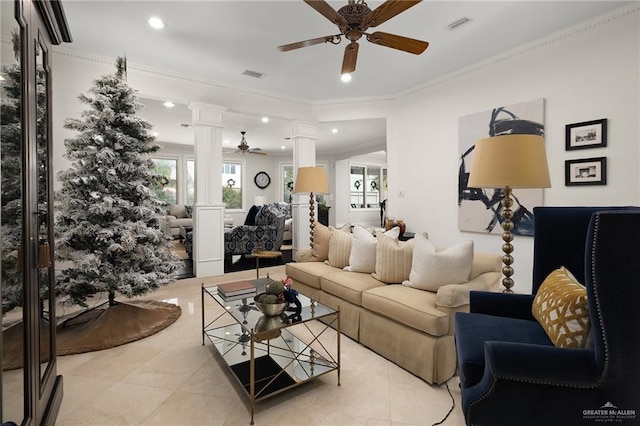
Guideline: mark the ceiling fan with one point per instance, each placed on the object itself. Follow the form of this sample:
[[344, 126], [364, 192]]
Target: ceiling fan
[[353, 20], [244, 147]]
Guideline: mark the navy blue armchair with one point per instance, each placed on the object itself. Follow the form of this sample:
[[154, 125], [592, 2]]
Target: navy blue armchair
[[510, 371]]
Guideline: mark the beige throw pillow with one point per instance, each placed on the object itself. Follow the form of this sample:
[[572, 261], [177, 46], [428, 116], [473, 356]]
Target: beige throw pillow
[[432, 269], [393, 259], [562, 309], [321, 238], [339, 248]]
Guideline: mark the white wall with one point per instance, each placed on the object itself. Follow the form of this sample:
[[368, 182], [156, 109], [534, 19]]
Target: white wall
[[589, 73]]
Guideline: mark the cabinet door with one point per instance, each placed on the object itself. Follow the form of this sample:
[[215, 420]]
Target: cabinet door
[[12, 209], [31, 388]]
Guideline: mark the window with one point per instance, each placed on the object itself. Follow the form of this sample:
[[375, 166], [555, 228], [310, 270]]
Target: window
[[168, 168], [286, 190], [367, 186], [191, 180], [287, 180], [232, 185]]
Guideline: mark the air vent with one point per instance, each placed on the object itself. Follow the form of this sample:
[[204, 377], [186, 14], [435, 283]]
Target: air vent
[[185, 125], [457, 24], [254, 74]]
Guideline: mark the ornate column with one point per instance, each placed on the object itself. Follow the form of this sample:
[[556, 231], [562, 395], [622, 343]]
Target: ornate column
[[303, 138], [208, 212]]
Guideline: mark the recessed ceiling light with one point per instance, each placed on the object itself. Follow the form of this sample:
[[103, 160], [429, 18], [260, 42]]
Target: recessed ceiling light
[[334, 130], [226, 141], [156, 23], [265, 119], [283, 147], [345, 78], [155, 134], [169, 104]]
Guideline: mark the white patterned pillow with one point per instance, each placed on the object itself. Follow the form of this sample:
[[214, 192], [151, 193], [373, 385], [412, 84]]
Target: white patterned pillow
[[393, 259], [562, 309], [363, 249], [339, 248], [431, 269]]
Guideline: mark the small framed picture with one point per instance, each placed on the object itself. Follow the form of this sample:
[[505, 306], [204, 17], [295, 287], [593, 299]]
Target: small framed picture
[[585, 171], [589, 134]]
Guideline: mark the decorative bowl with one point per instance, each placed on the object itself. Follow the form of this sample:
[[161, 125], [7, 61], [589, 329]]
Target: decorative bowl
[[270, 309]]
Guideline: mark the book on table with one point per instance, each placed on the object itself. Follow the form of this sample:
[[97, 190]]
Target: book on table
[[236, 288]]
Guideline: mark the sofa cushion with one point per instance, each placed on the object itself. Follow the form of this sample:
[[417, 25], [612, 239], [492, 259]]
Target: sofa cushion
[[339, 248], [411, 307], [348, 285], [474, 329], [178, 210], [177, 223], [393, 259], [485, 262], [309, 273], [431, 268], [321, 238], [562, 309]]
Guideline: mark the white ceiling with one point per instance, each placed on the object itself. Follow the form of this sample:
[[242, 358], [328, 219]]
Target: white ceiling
[[219, 40]]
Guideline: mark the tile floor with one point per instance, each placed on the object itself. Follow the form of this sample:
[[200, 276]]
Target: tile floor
[[171, 379]]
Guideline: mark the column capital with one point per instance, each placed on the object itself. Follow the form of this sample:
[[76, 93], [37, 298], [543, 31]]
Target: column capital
[[204, 114], [303, 129]]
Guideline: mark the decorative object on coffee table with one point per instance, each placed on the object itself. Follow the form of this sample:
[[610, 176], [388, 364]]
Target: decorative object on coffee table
[[311, 180], [509, 161]]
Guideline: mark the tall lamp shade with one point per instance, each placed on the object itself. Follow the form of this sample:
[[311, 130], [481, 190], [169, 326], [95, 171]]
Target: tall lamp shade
[[509, 161], [311, 180]]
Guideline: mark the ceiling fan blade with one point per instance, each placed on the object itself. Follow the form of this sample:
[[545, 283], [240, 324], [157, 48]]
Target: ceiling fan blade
[[350, 58], [393, 41], [251, 151], [335, 39], [387, 10], [327, 11]]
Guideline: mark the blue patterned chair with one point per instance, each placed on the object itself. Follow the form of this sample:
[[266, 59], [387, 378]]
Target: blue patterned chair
[[266, 233], [510, 371]]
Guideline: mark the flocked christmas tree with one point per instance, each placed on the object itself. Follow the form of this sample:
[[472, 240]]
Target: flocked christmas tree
[[109, 224]]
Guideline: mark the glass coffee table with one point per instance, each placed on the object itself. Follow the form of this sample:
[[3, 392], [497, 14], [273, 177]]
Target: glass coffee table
[[269, 355]]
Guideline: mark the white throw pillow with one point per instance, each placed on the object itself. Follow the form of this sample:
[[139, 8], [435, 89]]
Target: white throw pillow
[[363, 249], [431, 269]]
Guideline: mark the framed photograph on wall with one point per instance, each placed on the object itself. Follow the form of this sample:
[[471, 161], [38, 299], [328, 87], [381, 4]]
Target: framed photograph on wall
[[589, 134], [585, 171]]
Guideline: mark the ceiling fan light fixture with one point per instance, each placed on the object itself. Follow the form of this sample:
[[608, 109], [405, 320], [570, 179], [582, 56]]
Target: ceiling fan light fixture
[[156, 23], [346, 77]]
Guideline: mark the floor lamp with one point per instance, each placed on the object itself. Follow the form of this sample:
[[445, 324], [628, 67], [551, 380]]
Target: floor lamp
[[509, 161], [314, 181]]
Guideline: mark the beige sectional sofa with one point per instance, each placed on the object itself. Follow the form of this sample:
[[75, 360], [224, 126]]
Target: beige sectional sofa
[[411, 327]]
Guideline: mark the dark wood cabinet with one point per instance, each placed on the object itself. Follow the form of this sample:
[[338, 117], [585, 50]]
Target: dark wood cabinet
[[31, 387]]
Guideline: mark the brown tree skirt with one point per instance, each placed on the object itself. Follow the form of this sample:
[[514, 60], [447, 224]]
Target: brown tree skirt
[[96, 329]]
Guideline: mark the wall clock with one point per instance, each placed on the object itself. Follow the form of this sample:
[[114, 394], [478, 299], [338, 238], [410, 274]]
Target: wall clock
[[262, 180]]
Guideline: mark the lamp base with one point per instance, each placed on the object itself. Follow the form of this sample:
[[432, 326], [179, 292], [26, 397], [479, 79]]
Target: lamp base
[[507, 237], [312, 218]]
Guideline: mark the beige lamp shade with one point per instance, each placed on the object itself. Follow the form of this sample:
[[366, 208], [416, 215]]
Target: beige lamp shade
[[517, 161], [311, 179]]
